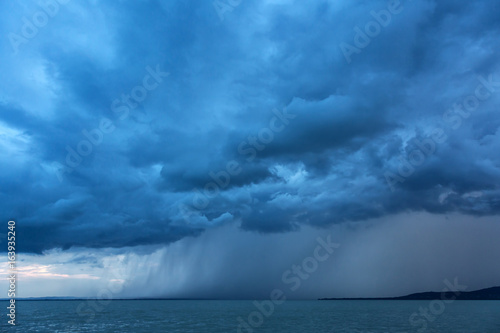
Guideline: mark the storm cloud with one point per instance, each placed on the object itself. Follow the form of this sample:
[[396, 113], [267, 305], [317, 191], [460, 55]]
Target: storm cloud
[[143, 123]]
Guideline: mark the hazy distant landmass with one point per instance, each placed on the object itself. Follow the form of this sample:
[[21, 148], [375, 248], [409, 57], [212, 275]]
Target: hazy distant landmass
[[492, 293], [47, 298], [72, 298]]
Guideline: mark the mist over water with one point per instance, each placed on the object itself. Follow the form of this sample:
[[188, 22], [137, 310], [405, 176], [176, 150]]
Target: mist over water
[[392, 256], [229, 263]]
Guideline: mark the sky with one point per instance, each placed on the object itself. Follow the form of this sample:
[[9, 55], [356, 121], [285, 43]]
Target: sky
[[222, 149]]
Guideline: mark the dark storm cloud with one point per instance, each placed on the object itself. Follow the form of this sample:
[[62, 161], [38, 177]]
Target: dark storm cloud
[[353, 123]]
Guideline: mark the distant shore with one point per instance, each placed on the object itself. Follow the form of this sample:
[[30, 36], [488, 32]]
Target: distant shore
[[486, 294]]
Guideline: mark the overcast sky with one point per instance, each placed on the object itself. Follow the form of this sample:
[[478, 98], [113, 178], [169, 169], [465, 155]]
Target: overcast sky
[[199, 148]]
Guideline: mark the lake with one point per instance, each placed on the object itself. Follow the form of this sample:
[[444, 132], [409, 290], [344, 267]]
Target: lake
[[246, 316]]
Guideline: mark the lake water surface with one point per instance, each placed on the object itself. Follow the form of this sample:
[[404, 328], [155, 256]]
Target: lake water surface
[[153, 316]]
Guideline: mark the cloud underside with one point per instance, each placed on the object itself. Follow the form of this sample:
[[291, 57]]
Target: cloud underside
[[261, 121]]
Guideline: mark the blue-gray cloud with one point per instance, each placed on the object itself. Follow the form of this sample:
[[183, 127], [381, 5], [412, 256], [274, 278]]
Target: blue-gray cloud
[[407, 124]]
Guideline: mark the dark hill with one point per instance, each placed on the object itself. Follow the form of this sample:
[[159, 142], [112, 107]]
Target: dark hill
[[492, 293]]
